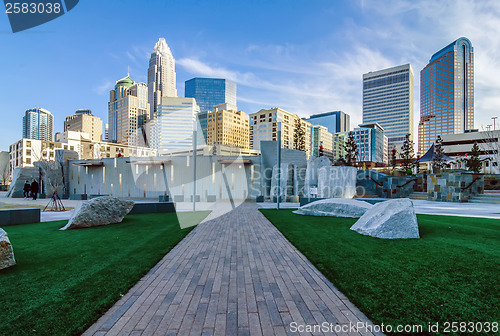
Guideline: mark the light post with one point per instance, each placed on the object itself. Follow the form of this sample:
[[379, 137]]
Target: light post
[[488, 127], [194, 167], [494, 125], [278, 191]]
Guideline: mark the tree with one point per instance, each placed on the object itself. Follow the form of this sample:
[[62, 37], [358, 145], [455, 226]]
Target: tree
[[320, 150], [407, 155], [351, 150], [299, 136], [393, 157], [438, 161], [474, 163]]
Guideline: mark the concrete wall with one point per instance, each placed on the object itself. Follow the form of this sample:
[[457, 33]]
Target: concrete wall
[[223, 177]]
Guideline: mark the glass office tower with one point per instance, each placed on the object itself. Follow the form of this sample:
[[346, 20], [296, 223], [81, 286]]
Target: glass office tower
[[38, 124], [336, 121], [209, 92], [388, 101], [447, 93]]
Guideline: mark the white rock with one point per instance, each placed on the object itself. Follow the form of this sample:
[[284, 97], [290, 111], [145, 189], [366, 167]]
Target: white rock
[[390, 220], [6, 252], [99, 211], [335, 207]]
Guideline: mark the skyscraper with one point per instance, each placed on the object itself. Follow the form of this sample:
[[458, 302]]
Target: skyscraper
[[447, 93], [84, 121], [388, 101], [372, 143], [172, 129], [128, 110], [209, 92], [38, 124], [161, 75], [336, 121]]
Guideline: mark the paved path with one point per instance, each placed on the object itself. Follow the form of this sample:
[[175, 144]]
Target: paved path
[[233, 275]]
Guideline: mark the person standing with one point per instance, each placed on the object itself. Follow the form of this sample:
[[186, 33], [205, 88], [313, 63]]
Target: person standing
[[34, 189], [27, 189]]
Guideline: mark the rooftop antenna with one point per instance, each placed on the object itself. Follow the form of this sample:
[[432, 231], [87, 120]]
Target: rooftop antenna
[[128, 71]]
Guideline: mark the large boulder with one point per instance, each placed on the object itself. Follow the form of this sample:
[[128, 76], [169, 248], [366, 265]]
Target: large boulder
[[6, 252], [335, 207], [99, 211], [390, 220]]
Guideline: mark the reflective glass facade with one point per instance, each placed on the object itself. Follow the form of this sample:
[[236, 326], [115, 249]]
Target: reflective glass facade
[[388, 101], [38, 124], [209, 92], [447, 93], [336, 121]]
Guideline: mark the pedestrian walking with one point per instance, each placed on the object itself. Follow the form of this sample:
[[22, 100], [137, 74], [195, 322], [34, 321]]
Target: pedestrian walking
[[27, 189], [34, 189]]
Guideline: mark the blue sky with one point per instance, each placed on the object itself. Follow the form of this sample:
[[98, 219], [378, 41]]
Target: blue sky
[[303, 56]]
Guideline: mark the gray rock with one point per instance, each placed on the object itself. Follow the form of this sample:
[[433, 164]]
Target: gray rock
[[6, 252], [335, 207], [99, 211], [391, 219]]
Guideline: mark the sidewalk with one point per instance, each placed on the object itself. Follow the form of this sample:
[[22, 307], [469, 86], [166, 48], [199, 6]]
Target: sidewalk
[[233, 275]]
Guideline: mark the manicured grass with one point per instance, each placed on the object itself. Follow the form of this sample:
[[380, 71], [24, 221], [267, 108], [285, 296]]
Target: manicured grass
[[22, 206], [451, 274], [64, 280]]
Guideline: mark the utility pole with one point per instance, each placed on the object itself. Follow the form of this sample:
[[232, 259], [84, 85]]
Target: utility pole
[[278, 191], [194, 168]]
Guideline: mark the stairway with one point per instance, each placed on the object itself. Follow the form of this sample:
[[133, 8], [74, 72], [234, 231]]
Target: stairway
[[487, 197], [368, 194], [418, 195]]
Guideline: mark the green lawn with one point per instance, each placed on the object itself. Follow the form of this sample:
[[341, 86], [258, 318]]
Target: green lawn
[[65, 280], [451, 274]]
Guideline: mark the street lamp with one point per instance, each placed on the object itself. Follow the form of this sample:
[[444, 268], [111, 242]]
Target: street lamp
[[488, 127], [493, 122]]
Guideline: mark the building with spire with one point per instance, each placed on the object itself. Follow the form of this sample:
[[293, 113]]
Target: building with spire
[[447, 93], [128, 111], [161, 76]]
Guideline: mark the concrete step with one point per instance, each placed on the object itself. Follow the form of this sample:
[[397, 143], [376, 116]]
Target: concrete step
[[420, 195], [493, 201], [487, 196]]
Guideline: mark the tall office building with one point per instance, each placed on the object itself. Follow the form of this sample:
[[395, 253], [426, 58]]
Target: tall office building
[[447, 93], [38, 124], [161, 75], [336, 121], [320, 137], [128, 110], [264, 126], [372, 143], [172, 129], [227, 126], [388, 101], [209, 92], [84, 121]]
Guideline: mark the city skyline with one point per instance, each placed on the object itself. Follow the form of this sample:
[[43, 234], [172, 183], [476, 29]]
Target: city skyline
[[296, 67]]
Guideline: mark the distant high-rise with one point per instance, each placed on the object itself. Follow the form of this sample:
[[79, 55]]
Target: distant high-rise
[[172, 129], [336, 121], [227, 126], [447, 93], [128, 110], [372, 143], [38, 124], [161, 75], [388, 101], [209, 92], [84, 121]]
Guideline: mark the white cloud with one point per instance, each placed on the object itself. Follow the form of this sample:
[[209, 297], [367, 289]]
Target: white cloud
[[104, 87]]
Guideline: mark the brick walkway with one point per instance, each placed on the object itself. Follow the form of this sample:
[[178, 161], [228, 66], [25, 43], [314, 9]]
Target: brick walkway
[[234, 275]]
